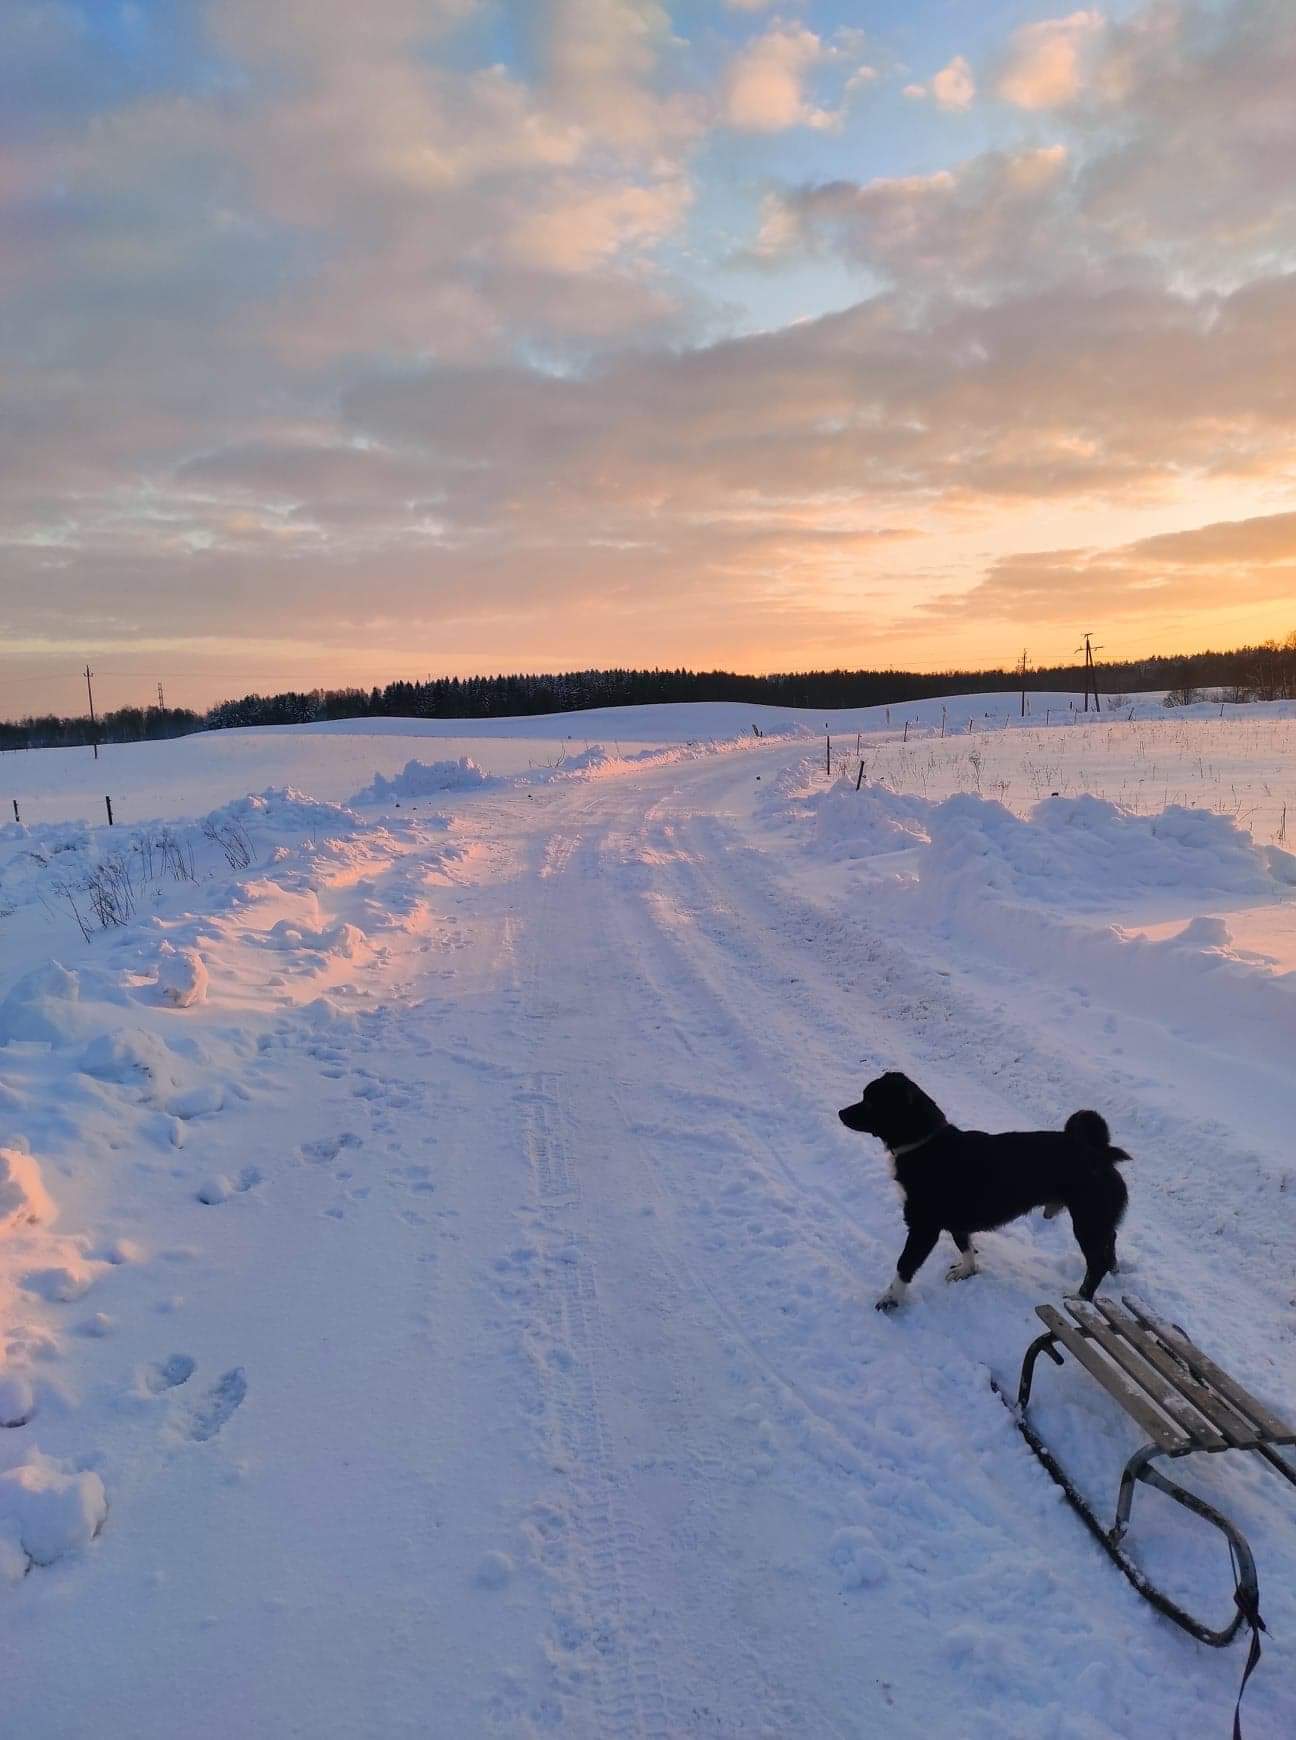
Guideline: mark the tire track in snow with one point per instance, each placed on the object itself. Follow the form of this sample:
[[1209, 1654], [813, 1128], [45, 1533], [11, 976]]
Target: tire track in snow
[[762, 1697], [606, 1616], [682, 1293]]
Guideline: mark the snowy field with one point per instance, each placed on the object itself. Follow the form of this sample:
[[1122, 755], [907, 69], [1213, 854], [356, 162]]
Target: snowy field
[[193, 774], [435, 1287]]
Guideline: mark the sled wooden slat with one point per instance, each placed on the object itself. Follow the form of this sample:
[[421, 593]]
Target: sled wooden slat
[[1272, 1429], [1239, 1433], [1166, 1394], [1163, 1432]]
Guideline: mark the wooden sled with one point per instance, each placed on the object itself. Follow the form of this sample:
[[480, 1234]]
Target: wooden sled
[[1184, 1404]]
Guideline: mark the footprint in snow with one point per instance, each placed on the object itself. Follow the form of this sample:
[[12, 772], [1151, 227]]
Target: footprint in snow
[[217, 1189], [169, 1374], [329, 1147], [218, 1405]]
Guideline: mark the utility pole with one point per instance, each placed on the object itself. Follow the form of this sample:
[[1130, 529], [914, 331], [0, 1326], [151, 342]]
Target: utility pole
[[161, 698], [1091, 678], [94, 726], [1024, 657]]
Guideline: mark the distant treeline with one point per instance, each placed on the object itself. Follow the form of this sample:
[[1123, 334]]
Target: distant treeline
[[1259, 673], [124, 725]]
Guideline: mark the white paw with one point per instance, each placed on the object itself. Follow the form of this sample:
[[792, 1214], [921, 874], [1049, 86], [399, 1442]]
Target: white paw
[[961, 1270], [893, 1297]]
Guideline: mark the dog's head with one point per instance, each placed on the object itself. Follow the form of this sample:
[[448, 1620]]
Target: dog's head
[[895, 1110]]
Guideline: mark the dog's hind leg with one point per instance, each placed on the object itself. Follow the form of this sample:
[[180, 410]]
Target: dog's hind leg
[[967, 1263], [1100, 1260], [1094, 1220]]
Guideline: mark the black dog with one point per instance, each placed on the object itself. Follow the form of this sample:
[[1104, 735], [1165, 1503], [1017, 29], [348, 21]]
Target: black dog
[[965, 1181]]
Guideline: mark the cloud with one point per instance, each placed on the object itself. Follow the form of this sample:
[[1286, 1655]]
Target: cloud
[[765, 87], [600, 66], [954, 87], [1047, 62], [1051, 396], [785, 469], [1238, 562], [1175, 130], [1190, 132], [347, 194], [996, 220]]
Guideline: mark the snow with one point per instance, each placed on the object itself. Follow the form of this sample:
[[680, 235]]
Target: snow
[[423, 779], [23, 1201], [38, 1008], [17, 1399], [46, 1510], [182, 977], [435, 1288]]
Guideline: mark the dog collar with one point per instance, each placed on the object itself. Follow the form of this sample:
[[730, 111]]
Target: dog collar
[[913, 1147]]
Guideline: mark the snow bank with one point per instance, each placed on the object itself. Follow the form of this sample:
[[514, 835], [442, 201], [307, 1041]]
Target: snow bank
[[1083, 852], [857, 824], [288, 811], [419, 779], [1031, 891], [47, 1509]]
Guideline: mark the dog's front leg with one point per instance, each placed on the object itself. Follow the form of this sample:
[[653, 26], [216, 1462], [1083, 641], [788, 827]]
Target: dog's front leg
[[918, 1247]]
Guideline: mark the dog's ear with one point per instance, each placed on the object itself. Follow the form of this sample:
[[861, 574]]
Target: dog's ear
[[909, 1090]]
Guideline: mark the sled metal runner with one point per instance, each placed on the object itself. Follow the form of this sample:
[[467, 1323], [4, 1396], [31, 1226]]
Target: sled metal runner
[[1183, 1403]]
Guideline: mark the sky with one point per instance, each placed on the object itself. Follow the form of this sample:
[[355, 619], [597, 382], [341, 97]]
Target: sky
[[342, 343]]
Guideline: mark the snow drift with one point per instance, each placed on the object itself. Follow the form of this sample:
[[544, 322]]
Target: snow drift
[[418, 779]]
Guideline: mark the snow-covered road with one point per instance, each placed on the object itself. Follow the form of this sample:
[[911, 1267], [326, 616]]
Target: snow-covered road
[[525, 1379]]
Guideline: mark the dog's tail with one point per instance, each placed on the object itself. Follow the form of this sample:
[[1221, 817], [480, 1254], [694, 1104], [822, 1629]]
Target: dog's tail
[[1091, 1129]]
